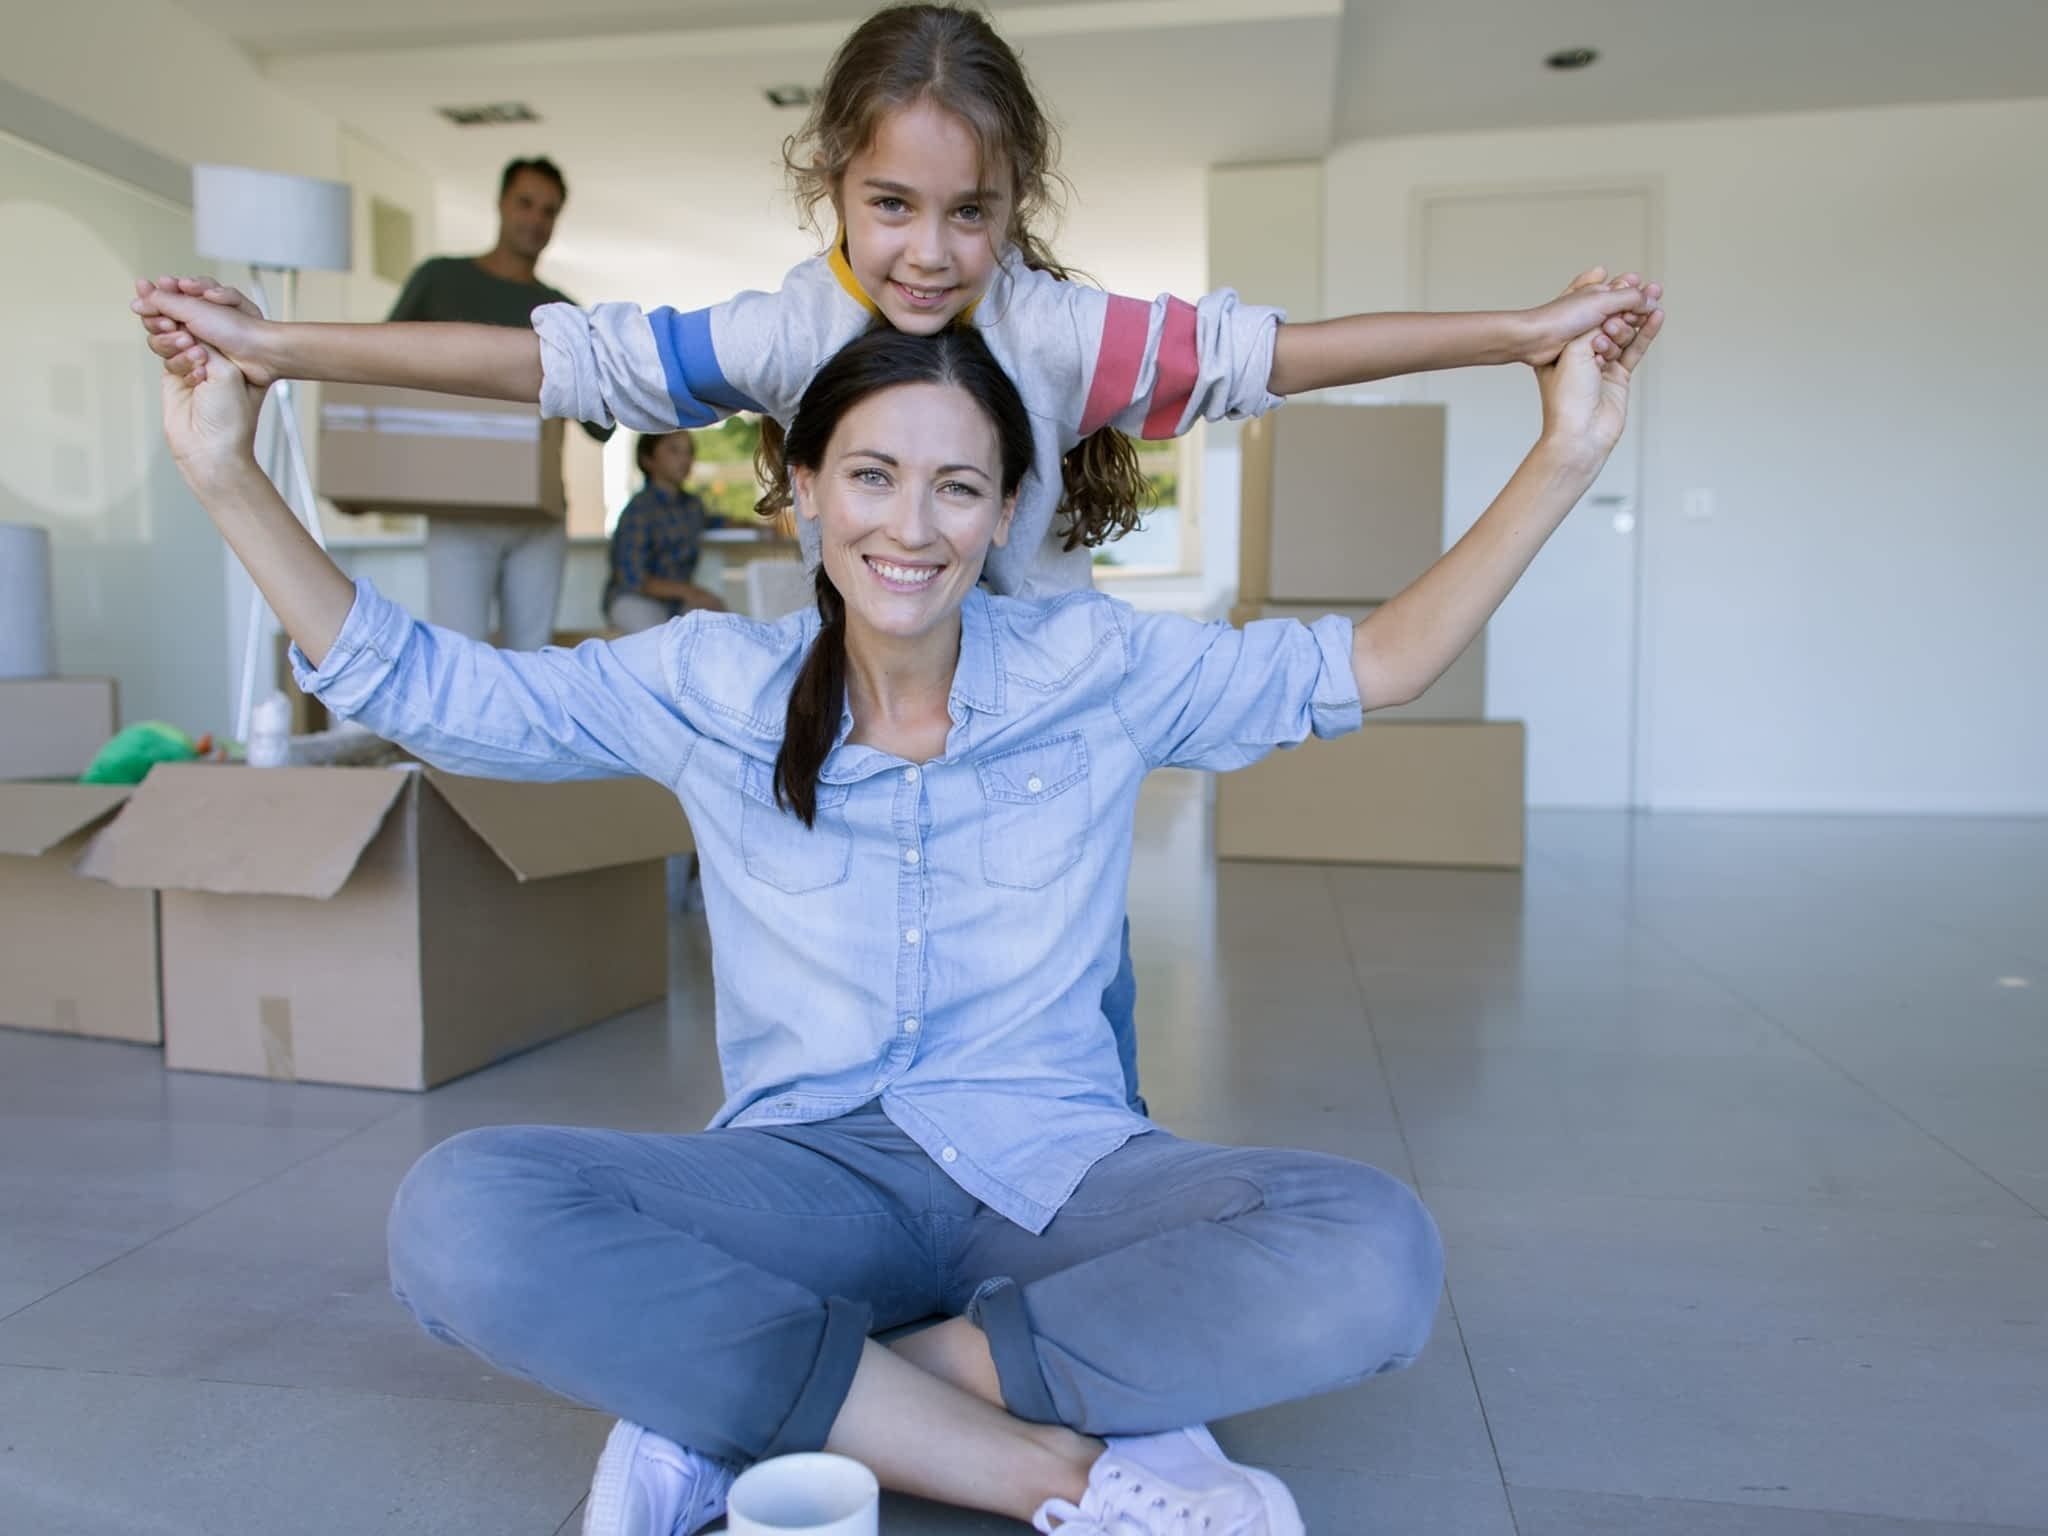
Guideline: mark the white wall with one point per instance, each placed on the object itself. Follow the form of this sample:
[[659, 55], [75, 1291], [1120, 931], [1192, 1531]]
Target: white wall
[[138, 90], [1265, 239], [1853, 368]]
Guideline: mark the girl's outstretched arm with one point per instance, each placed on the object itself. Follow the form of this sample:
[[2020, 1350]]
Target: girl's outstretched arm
[[1320, 354], [185, 316], [1406, 644]]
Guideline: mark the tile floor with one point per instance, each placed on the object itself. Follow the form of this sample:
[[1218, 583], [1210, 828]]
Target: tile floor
[[1734, 1126]]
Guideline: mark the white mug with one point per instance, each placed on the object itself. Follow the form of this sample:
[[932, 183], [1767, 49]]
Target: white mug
[[814, 1494]]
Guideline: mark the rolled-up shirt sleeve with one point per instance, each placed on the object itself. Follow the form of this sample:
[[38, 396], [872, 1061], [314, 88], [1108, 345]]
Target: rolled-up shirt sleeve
[[1152, 368], [602, 710], [1211, 696]]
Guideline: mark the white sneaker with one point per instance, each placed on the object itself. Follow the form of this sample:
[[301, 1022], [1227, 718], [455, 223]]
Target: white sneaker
[[1176, 1484], [647, 1486]]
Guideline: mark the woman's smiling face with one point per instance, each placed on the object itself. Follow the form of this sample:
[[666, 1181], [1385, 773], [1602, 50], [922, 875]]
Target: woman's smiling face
[[908, 501]]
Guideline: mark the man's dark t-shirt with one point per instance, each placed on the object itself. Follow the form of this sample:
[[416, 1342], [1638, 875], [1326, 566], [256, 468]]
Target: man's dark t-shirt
[[456, 288]]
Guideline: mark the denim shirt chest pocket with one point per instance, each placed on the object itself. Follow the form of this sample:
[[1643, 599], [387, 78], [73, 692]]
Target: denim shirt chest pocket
[[780, 850], [1036, 812]]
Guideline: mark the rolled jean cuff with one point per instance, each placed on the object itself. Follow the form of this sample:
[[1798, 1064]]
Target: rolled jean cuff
[[823, 1394], [997, 1309]]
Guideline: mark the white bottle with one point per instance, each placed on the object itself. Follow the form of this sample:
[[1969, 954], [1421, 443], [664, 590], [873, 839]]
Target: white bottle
[[270, 733]]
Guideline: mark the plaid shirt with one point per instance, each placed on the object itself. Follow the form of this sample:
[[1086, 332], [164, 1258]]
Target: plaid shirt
[[658, 537]]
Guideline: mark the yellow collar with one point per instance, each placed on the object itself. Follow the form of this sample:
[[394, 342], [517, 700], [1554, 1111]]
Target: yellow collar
[[843, 270]]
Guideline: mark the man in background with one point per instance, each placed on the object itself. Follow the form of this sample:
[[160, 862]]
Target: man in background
[[470, 560]]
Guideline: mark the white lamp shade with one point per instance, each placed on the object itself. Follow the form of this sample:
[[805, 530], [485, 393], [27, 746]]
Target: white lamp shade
[[266, 219]]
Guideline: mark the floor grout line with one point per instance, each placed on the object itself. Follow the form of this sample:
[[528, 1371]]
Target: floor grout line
[[226, 1200], [1935, 1526], [1739, 993], [557, 1405], [1408, 1152]]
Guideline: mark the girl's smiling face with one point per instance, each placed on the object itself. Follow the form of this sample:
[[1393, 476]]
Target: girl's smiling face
[[909, 502], [923, 220]]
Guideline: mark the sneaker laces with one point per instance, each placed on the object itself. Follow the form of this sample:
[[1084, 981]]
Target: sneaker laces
[[707, 1501], [1120, 1505]]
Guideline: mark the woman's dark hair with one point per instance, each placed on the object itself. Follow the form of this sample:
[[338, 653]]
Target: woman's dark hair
[[952, 57], [867, 365]]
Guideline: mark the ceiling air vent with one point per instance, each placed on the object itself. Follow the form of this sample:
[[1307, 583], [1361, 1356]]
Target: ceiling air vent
[[490, 114], [788, 95]]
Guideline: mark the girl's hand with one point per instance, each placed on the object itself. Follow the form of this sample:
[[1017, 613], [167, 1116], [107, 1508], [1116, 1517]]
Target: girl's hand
[[185, 316], [1613, 312], [1585, 396], [210, 421]]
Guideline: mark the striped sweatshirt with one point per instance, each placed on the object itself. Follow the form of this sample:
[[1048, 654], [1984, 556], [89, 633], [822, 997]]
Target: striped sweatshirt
[[1081, 358]]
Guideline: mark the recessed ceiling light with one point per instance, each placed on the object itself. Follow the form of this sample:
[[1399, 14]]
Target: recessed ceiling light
[[788, 95], [1572, 58]]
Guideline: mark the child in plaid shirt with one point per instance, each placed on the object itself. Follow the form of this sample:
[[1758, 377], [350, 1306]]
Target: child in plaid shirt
[[657, 542]]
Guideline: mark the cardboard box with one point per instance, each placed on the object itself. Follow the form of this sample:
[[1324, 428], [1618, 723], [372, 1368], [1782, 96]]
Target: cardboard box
[[392, 927], [1460, 694], [409, 450], [76, 956], [1396, 792], [50, 728], [1339, 503]]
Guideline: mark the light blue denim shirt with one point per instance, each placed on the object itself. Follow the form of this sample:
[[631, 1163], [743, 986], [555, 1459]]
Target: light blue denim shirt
[[942, 938]]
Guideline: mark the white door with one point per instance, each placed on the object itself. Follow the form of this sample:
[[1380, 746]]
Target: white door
[[1561, 653]]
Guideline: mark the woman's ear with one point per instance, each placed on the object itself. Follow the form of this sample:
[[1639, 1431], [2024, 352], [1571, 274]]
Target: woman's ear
[[800, 482], [1002, 534]]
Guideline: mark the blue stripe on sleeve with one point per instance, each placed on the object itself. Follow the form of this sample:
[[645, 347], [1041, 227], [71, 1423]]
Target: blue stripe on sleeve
[[696, 383]]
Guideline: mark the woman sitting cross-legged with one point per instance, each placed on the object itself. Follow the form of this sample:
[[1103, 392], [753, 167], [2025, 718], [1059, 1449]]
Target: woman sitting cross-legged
[[914, 807]]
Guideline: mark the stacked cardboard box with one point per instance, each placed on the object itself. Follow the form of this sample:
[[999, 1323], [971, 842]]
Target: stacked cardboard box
[[50, 727], [1342, 507], [76, 956]]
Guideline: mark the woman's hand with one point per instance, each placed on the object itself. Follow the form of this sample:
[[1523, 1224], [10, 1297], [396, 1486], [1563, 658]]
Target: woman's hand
[[210, 416], [1585, 395], [185, 316], [1614, 312]]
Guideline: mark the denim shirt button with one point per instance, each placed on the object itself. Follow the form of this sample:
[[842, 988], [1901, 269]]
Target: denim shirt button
[[950, 1155]]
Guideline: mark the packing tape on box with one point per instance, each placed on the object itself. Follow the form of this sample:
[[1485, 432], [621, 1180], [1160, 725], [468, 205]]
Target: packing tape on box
[[274, 1022], [28, 629]]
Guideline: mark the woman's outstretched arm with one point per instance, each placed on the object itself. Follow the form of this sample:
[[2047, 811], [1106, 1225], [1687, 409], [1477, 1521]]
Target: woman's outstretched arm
[[210, 423], [1403, 646]]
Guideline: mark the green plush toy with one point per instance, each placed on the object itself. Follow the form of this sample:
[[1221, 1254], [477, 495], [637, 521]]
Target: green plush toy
[[132, 752]]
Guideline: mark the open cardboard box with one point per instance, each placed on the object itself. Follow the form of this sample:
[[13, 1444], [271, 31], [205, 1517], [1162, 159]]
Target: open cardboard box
[[392, 927], [76, 956], [52, 727]]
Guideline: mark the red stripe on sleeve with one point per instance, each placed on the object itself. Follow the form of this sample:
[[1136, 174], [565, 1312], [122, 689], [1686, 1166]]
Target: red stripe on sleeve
[[1177, 369], [1116, 365]]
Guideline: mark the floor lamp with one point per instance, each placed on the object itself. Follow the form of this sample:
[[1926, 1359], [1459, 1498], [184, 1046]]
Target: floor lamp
[[277, 226]]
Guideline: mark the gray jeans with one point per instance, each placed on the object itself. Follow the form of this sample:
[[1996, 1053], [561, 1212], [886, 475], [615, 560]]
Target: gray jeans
[[472, 560], [718, 1288], [632, 613]]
